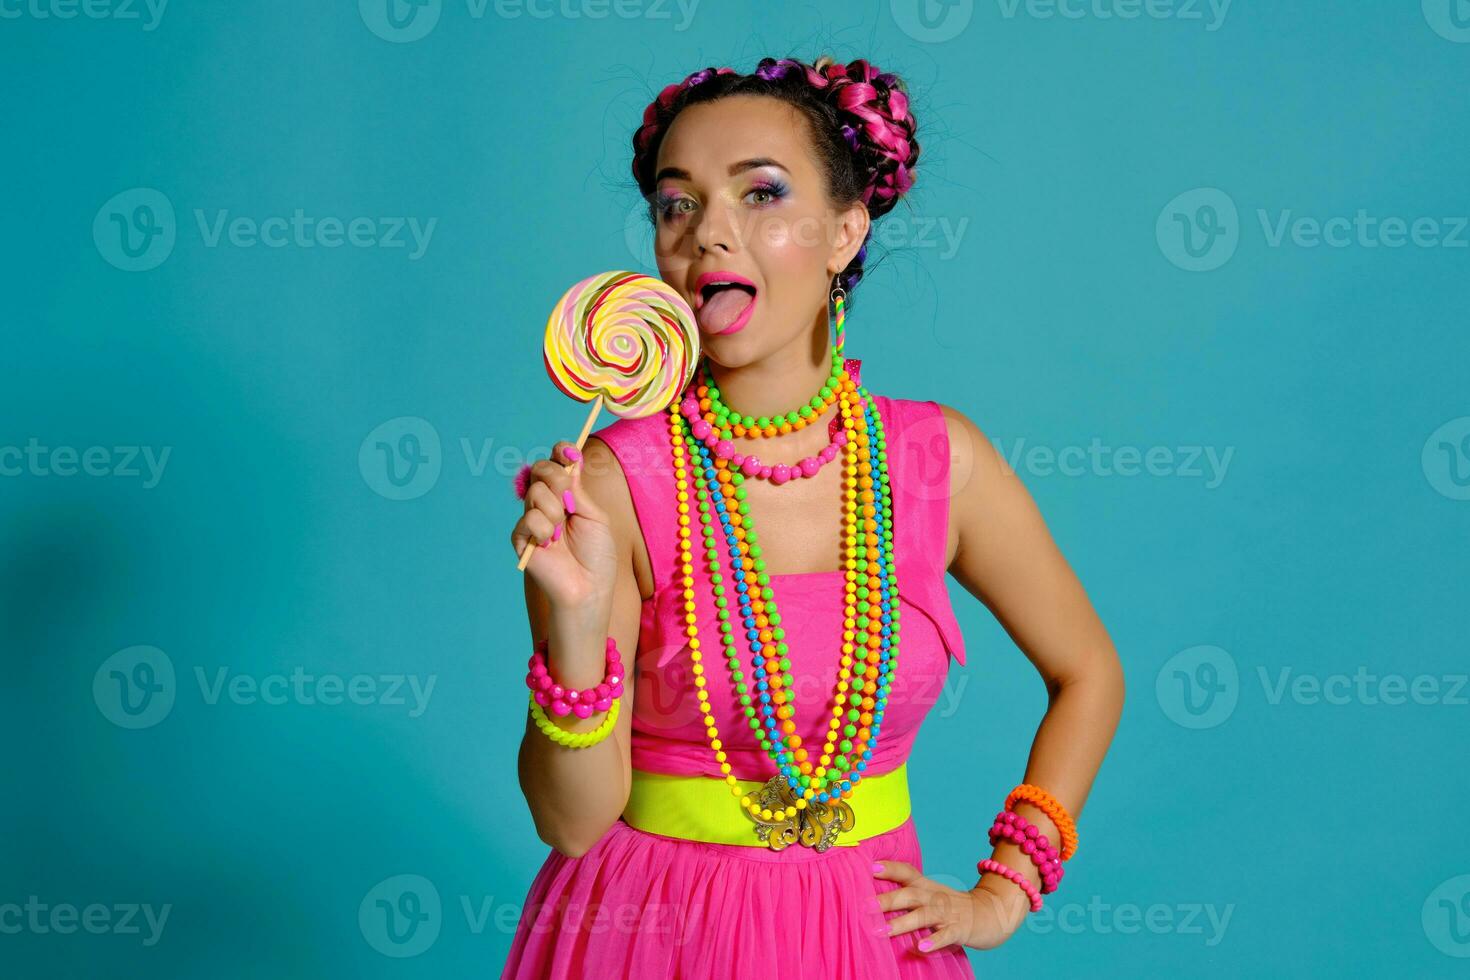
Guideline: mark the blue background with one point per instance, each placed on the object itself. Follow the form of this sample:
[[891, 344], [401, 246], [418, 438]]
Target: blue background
[[1096, 291]]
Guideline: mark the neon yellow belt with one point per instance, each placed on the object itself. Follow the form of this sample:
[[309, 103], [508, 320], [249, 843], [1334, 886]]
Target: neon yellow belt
[[703, 808]]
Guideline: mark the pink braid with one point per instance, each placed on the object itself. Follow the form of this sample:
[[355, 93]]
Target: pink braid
[[666, 99], [887, 133]]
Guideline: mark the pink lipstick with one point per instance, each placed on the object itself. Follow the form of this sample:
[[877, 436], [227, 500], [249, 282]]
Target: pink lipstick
[[723, 301]]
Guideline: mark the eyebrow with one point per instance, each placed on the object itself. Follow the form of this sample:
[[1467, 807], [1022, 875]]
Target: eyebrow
[[735, 168]]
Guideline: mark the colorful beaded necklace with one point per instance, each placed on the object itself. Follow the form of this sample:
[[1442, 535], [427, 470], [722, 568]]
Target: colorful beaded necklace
[[703, 423], [803, 801], [732, 423]]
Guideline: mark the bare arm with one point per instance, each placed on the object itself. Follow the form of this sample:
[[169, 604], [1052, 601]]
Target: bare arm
[[575, 795], [1003, 554]]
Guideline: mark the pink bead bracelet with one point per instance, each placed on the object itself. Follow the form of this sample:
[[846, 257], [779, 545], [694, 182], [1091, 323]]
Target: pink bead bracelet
[[1013, 827], [564, 700], [1014, 876]]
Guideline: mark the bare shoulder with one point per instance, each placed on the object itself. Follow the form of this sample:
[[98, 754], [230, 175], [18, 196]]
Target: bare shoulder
[[975, 466], [605, 482], [971, 453]]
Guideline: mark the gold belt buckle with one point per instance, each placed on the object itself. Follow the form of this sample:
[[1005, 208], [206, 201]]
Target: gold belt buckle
[[816, 825]]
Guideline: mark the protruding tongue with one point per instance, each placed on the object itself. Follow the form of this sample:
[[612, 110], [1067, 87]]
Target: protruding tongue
[[722, 307]]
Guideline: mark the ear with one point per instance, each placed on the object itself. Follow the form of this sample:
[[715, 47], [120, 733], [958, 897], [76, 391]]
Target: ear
[[852, 229]]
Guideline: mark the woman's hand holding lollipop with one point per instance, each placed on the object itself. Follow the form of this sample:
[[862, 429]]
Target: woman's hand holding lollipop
[[619, 338]]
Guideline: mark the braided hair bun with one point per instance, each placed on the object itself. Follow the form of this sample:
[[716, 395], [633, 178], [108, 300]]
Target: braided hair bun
[[873, 107], [859, 118]]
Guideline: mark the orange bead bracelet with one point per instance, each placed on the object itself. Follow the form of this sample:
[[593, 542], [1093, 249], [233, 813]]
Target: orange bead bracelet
[[1048, 804]]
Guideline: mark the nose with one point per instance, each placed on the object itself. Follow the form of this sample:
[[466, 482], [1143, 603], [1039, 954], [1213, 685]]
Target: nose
[[717, 228]]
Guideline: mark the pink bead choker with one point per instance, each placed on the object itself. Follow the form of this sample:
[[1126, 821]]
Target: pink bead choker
[[750, 465]]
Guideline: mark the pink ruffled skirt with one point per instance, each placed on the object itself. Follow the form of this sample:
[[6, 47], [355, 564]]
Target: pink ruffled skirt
[[650, 907]]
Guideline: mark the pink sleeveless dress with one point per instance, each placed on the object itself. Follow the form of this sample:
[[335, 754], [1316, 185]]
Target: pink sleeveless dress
[[642, 905]]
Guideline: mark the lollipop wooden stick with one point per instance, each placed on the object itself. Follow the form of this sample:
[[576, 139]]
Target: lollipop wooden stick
[[622, 339], [581, 440], [587, 426]]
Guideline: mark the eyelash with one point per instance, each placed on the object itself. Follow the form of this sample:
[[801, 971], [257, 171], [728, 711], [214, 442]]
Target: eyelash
[[663, 206]]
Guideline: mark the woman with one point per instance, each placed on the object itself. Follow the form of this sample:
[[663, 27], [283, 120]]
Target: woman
[[754, 821]]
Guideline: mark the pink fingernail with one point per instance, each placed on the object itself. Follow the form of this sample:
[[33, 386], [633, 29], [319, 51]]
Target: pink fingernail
[[566, 498], [574, 454], [926, 945], [877, 868], [556, 533]]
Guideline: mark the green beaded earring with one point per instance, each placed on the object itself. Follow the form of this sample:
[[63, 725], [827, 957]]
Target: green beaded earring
[[839, 312]]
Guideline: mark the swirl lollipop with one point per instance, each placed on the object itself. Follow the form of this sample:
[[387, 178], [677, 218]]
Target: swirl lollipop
[[622, 339]]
